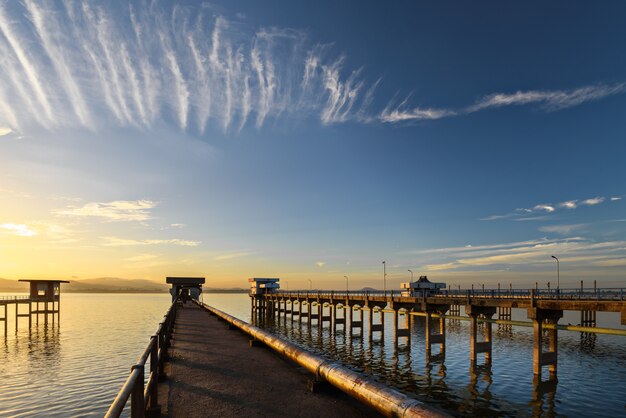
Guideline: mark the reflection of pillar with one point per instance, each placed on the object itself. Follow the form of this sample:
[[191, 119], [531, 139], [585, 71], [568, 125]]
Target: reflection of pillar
[[477, 347], [395, 327], [548, 358], [432, 338], [299, 310], [370, 322]]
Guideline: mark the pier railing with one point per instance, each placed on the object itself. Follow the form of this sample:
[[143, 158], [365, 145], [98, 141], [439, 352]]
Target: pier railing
[[143, 394], [23, 297], [565, 293]]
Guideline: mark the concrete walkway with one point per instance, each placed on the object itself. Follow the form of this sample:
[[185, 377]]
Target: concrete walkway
[[215, 373]]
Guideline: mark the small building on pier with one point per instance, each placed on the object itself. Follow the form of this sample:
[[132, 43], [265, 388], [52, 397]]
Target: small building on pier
[[422, 288], [44, 290], [261, 285], [185, 287]]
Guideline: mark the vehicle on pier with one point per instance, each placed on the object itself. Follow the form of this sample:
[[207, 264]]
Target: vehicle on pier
[[421, 288]]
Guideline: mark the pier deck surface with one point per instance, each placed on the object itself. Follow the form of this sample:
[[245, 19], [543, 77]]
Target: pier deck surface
[[214, 372]]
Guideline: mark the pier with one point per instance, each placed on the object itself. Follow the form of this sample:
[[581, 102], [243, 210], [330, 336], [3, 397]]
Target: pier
[[205, 362], [44, 299], [347, 309]]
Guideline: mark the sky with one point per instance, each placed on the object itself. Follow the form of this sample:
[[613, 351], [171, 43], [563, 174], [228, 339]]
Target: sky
[[313, 141]]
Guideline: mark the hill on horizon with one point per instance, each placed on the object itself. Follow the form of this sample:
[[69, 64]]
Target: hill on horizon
[[107, 285]]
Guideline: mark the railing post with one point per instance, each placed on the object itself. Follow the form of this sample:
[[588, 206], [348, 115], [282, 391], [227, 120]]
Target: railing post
[[154, 377], [137, 405]]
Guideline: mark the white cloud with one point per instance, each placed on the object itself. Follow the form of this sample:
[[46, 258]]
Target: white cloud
[[320, 264], [21, 230], [122, 242], [547, 208], [119, 210], [398, 115], [177, 226], [570, 204], [5, 130], [614, 199], [592, 202]]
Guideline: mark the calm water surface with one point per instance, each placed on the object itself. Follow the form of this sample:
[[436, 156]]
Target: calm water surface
[[76, 369]]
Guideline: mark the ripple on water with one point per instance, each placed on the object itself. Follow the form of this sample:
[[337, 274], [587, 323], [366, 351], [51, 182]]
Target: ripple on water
[[77, 369]]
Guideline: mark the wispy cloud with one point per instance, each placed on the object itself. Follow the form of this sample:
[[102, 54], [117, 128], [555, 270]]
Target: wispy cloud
[[89, 65], [21, 230], [576, 251], [123, 242], [545, 209], [320, 264], [231, 256], [5, 130], [80, 64], [561, 229], [119, 210], [141, 257], [548, 100], [615, 199]]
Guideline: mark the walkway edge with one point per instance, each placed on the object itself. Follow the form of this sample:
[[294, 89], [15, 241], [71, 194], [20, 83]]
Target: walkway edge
[[382, 398]]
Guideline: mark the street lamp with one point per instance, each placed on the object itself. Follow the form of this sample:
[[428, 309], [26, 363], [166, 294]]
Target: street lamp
[[384, 276], [558, 273], [347, 288], [310, 284], [411, 271]]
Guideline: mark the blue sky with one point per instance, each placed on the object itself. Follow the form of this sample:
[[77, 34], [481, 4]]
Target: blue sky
[[313, 141]]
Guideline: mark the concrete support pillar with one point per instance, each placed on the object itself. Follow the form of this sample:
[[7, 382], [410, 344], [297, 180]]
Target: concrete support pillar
[[548, 358], [300, 310], [477, 347], [349, 324], [433, 337]]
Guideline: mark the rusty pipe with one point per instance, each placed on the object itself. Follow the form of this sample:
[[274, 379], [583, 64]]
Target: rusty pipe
[[384, 399]]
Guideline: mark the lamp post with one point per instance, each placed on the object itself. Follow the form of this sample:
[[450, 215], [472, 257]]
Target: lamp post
[[558, 273], [411, 271], [385, 276], [347, 287]]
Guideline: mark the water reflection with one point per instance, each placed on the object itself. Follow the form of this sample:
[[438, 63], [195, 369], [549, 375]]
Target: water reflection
[[544, 395], [443, 377]]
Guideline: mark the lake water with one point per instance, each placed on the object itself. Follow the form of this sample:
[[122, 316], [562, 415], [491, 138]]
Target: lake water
[[76, 369]]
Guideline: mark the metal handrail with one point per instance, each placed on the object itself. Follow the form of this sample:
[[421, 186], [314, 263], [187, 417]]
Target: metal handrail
[[144, 398], [378, 396], [612, 293], [24, 297]]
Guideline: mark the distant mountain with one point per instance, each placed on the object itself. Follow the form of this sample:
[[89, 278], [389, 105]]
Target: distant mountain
[[13, 286], [114, 285], [99, 285], [109, 285]]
